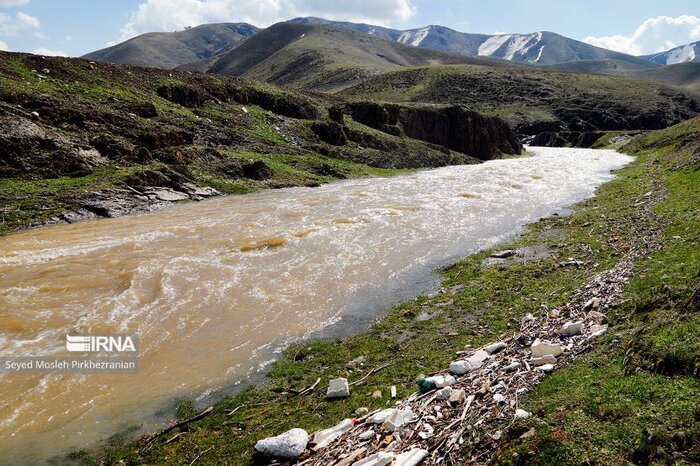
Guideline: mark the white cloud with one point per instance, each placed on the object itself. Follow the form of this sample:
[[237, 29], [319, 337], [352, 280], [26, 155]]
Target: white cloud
[[3, 46], [22, 21], [6, 3], [653, 35], [49, 52], [169, 15], [27, 21]]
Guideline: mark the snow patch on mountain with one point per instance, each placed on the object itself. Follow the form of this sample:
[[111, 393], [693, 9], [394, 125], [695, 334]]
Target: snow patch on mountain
[[682, 54], [414, 37], [492, 44], [515, 45]]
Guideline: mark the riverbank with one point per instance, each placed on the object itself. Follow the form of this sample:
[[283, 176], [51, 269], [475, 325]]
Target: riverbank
[[479, 303]]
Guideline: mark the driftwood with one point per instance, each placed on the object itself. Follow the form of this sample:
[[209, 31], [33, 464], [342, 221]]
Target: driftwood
[[199, 416]]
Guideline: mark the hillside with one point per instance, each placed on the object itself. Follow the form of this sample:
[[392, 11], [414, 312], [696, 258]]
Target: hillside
[[685, 75], [324, 58], [561, 108], [172, 49], [83, 139]]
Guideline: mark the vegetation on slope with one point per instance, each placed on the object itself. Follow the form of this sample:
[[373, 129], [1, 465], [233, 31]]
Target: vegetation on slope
[[70, 128], [644, 375], [536, 101]]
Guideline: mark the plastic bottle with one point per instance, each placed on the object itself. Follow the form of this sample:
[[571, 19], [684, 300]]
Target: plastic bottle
[[323, 438]]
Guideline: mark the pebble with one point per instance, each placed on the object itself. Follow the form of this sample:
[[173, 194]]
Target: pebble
[[529, 434], [513, 366], [494, 348], [546, 367], [570, 329], [444, 393], [288, 445], [522, 414], [457, 396], [498, 398], [361, 411], [338, 388]]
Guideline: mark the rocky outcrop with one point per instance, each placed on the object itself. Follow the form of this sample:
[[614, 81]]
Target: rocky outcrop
[[30, 149], [183, 95], [282, 104], [330, 132], [454, 127]]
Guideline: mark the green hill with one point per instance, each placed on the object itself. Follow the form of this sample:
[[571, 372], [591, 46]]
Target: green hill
[[323, 58], [172, 49]]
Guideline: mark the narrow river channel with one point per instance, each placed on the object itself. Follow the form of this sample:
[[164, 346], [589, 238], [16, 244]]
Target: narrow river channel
[[213, 290]]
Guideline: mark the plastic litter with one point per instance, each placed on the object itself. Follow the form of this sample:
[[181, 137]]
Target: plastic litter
[[378, 459], [412, 457], [288, 445], [323, 438]]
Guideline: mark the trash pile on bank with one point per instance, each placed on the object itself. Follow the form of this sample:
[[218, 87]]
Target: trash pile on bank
[[458, 413]]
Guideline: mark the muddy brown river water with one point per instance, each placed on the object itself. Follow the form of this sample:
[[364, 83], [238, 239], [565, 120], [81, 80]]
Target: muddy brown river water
[[214, 290]]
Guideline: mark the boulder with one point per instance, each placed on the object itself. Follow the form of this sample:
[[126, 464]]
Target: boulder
[[288, 445]]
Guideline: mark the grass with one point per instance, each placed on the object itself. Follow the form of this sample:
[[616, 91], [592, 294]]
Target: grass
[[594, 410]]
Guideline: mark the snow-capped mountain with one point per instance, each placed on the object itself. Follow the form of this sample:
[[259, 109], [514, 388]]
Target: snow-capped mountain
[[683, 54], [538, 48]]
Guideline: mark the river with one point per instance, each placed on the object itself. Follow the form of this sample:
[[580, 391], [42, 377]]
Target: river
[[213, 290]]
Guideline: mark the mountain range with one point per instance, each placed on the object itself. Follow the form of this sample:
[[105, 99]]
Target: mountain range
[[322, 55]]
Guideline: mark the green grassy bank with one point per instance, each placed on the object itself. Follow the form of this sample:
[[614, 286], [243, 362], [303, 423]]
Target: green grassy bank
[[643, 375]]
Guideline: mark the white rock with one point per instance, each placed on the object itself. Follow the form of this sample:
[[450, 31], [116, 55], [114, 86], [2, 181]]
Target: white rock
[[398, 418], [528, 318], [598, 330], [546, 368], [464, 366], [542, 348], [542, 360], [338, 388], [498, 398], [522, 414], [206, 191], [169, 195], [290, 444], [378, 459], [570, 329], [444, 393], [494, 348], [474, 361], [412, 457]]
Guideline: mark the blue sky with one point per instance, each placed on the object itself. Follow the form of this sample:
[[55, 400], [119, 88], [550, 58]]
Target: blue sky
[[75, 27]]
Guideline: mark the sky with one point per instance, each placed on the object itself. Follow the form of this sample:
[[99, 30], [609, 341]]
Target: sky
[[76, 27]]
